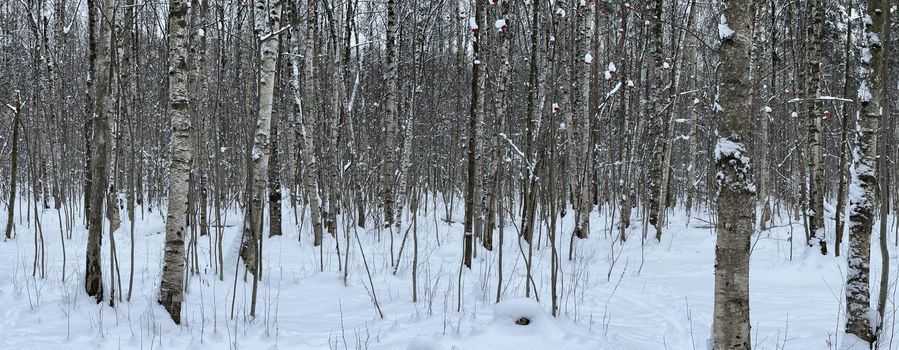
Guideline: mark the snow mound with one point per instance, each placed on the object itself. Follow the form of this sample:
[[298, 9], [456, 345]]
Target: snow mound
[[520, 324], [524, 316], [852, 342]]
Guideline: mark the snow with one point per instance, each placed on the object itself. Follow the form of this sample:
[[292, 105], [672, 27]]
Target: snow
[[873, 39], [612, 67], [649, 298], [728, 148], [472, 24], [614, 90], [852, 342], [865, 55], [588, 58], [542, 331], [500, 24], [864, 93], [724, 30]]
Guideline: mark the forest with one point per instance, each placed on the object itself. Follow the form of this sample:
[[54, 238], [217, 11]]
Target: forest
[[449, 174]]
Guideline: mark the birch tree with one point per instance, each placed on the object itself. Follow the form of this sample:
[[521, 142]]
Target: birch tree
[[736, 191], [862, 189], [471, 195], [171, 287], [582, 147], [306, 120], [813, 103], [100, 137], [13, 168], [267, 26], [388, 168]]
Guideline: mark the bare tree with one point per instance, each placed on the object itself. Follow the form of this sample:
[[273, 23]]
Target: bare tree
[[99, 173], [863, 195], [267, 26], [736, 196], [171, 288], [815, 161], [13, 168], [473, 148], [388, 168]]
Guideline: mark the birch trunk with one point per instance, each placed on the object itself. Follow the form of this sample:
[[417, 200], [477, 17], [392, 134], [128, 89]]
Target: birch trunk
[[583, 161], [267, 25], [656, 204], [862, 190], [13, 171], [274, 171], [839, 218], [388, 168], [500, 109], [201, 105], [844, 140], [626, 202], [89, 104], [171, 288], [536, 95], [471, 195], [736, 196], [99, 175], [306, 117], [815, 161]]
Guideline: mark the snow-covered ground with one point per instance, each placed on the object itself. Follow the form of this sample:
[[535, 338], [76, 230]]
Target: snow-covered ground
[[611, 295]]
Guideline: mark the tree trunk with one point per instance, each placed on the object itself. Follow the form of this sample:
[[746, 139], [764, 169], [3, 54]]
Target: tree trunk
[[267, 25], [388, 168], [815, 161], [89, 103], [93, 275], [307, 117], [844, 140], [863, 195], [13, 169], [471, 195], [625, 187], [736, 197], [583, 146], [171, 288], [274, 170], [656, 204]]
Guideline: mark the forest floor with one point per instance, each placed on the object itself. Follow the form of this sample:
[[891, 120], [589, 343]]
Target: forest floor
[[611, 295]]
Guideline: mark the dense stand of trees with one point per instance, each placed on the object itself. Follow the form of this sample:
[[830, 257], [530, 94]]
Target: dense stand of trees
[[518, 110]]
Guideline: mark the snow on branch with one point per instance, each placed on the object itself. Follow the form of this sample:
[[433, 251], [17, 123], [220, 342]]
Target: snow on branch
[[821, 98]]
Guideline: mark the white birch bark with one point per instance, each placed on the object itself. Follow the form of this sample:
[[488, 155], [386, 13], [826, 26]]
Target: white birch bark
[[862, 189], [815, 159], [306, 117], [388, 168], [171, 287], [267, 25], [736, 191], [99, 143], [582, 145]]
